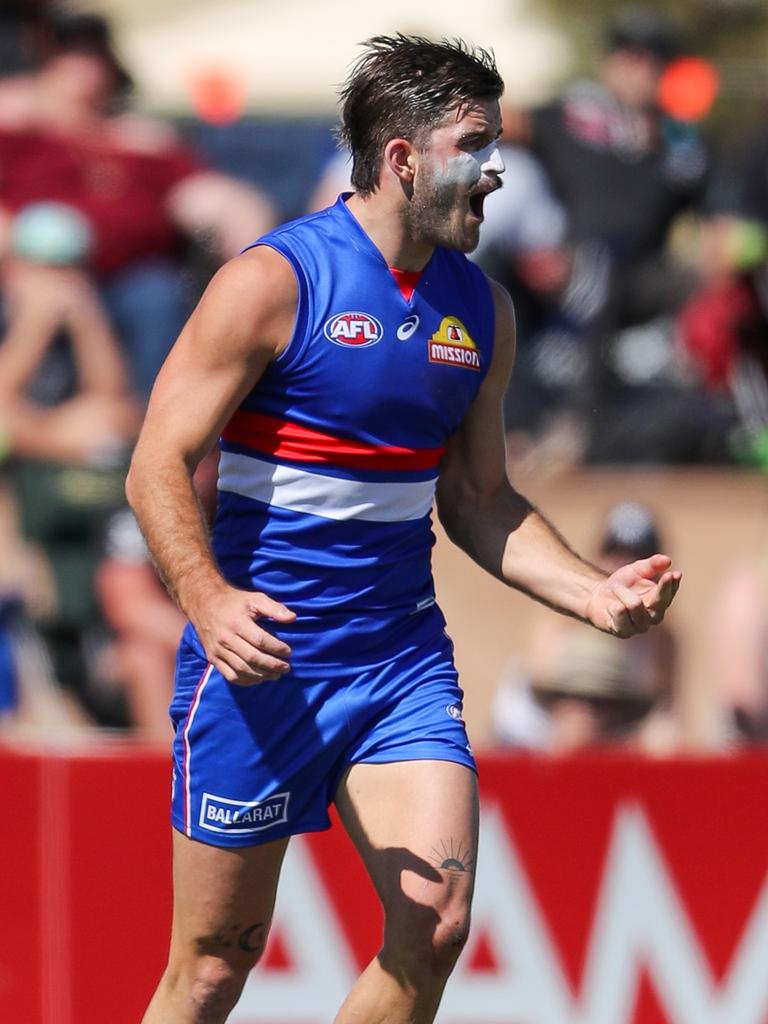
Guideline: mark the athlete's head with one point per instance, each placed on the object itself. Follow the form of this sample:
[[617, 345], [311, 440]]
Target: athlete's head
[[427, 113]]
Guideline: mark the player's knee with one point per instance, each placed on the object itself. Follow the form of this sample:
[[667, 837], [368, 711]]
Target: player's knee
[[449, 940], [214, 986], [427, 946]]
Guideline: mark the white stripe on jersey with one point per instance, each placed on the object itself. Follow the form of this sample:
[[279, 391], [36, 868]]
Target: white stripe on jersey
[[330, 497]]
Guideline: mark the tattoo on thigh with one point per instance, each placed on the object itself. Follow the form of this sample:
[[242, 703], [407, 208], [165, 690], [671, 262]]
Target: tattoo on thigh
[[452, 855], [250, 939]]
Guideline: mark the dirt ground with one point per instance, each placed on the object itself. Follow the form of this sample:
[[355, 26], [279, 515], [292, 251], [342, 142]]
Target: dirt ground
[[711, 519]]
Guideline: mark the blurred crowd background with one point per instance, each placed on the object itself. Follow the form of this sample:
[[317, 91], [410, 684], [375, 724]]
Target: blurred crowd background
[[632, 232]]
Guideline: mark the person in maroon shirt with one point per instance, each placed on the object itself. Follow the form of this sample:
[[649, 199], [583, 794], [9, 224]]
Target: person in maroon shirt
[[138, 190]]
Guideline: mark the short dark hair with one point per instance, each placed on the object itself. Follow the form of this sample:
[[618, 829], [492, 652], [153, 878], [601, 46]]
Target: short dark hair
[[91, 34], [402, 86]]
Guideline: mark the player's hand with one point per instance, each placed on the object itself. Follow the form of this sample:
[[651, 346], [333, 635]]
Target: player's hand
[[635, 597], [235, 643]]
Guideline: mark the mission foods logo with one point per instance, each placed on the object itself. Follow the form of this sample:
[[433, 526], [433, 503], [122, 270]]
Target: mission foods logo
[[451, 345], [240, 817], [353, 330]]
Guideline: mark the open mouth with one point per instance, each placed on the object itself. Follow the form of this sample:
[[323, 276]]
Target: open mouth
[[476, 203]]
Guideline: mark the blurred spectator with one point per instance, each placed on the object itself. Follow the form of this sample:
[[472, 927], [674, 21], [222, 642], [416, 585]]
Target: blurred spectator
[[137, 190], [29, 695], [523, 245], [724, 326], [622, 171], [612, 160], [109, 628], [145, 627], [334, 179], [98, 421], [581, 688], [67, 459]]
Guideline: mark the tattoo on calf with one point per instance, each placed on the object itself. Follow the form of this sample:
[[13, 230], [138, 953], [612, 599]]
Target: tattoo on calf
[[252, 938], [452, 856]]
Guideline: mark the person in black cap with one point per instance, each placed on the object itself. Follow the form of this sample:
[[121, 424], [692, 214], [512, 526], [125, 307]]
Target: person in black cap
[[646, 32], [622, 172], [602, 146]]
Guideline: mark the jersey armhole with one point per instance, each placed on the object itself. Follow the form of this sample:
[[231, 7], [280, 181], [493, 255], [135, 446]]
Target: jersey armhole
[[487, 312], [298, 338]]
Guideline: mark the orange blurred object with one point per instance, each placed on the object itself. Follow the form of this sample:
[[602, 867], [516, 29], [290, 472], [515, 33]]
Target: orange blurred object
[[688, 88], [217, 95]]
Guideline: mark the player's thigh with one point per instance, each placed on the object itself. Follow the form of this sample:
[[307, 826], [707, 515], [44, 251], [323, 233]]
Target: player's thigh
[[223, 899], [415, 824]]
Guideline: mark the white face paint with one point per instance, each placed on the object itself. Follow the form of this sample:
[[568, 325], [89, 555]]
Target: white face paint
[[466, 169], [490, 158]]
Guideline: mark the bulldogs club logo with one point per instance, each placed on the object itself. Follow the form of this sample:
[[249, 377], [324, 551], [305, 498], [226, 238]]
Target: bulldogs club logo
[[353, 330]]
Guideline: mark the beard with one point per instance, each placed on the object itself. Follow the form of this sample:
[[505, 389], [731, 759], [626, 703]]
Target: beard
[[438, 215]]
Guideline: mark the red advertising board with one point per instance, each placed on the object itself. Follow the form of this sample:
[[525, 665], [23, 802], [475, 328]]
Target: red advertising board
[[610, 891]]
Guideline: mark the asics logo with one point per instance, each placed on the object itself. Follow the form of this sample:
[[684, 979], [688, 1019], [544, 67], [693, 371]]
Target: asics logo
[[407, 327]]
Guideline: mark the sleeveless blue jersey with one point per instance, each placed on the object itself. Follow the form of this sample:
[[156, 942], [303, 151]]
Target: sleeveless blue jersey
[[328, 468]]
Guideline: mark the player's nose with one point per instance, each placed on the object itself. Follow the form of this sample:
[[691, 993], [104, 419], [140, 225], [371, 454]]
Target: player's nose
[[494, 161]]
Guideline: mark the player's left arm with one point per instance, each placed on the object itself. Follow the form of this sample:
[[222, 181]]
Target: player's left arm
[[505, 534]]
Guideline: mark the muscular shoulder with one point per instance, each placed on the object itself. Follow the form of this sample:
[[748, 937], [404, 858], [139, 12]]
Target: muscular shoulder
[[252, 301], [240, 325]]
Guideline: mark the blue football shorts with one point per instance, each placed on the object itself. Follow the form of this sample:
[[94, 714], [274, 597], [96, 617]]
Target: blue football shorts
[[257, 763]]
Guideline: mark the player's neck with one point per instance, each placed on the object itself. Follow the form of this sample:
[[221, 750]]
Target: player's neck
[[382, 220]]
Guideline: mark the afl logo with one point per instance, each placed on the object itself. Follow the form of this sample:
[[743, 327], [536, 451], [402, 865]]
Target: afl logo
[[353, 330]]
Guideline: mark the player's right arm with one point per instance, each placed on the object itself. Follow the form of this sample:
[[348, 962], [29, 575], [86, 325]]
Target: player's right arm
[[243, 321]]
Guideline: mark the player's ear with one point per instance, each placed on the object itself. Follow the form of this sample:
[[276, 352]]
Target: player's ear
[[400, 158]]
